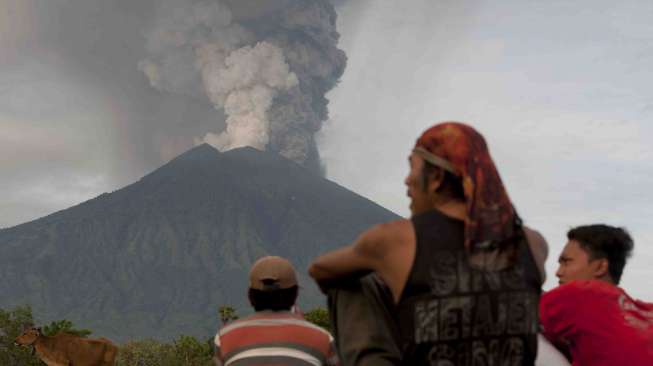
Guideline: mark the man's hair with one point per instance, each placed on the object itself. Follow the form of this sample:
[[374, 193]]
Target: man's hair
[[603, 241], [275, 300], [451, 184]]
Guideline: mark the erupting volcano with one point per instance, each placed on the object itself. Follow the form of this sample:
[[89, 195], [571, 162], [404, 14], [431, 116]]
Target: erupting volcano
[[158, 257]]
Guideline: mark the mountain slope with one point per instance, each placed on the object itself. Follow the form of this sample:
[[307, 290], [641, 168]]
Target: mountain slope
[[156, 258]]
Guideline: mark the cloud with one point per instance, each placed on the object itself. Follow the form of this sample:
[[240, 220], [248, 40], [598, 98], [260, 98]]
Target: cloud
[[52, 153], [51, 193], [266, 65]]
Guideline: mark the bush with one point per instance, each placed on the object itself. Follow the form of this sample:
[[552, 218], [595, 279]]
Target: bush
[[12, 324], [64, 326], [145, 353], [319, 317], [189, 351], [227, 314], [184, 351]]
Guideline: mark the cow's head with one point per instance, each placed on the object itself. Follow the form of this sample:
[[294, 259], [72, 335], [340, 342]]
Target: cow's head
[[28, 337]]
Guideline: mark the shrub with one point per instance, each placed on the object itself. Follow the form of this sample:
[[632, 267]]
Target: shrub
[[12, 324], [320, 317], [64, 326], [145, 353], [184, 351]]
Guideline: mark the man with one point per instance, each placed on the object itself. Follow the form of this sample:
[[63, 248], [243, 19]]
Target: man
[[588, 315], [463, 272], [273, 335]]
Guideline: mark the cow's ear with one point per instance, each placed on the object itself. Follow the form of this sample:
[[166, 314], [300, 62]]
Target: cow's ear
[[38, 330]]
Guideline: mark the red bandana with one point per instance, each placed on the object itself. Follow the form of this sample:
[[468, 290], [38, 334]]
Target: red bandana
[[460, 149]]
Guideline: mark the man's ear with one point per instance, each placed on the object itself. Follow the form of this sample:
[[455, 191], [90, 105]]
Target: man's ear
[[601, 268], [435, 178]]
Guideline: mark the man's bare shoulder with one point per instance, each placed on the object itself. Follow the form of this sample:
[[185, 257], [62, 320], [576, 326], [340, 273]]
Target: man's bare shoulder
[[382, 236], [536, 241], [391, 231], [539, 248]]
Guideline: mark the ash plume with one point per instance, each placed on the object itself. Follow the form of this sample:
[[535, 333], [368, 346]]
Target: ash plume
[[266, 65]]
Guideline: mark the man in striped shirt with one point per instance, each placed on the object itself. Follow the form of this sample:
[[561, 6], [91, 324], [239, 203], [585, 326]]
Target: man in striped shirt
[[273, 335]]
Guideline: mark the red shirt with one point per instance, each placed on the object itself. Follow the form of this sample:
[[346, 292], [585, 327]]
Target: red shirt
[[599, 324]]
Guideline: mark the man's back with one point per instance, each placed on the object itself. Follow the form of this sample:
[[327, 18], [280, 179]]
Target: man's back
[[599, 323], [455, 313], [271, 337]]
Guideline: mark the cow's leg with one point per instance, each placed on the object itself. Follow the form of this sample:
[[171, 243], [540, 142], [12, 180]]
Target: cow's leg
[[64, 362], [110, 355], [55, 360]]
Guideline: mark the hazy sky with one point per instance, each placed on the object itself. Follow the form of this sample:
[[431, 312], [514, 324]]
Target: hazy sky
[[77, 116], [561, 90]]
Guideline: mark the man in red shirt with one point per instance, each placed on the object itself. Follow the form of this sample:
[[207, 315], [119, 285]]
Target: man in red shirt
[[588, 315]]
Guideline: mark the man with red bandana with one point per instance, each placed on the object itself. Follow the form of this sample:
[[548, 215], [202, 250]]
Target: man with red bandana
[[588, 315], [463, 272]]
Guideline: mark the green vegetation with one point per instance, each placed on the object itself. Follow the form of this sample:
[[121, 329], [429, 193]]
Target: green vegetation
[[183, 351], [64, 326], [12, 324], [227, 314], [320, 317]]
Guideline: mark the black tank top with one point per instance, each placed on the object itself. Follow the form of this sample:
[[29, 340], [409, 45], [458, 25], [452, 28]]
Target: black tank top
[[451, 314]]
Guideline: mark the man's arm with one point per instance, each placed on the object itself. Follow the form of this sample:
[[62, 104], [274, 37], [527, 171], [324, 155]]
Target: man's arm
[[560, 310], [332, 357], [362, 257], [216, 360], [217, 355]]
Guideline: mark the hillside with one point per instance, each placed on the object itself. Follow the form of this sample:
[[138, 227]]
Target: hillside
[[156, 258]]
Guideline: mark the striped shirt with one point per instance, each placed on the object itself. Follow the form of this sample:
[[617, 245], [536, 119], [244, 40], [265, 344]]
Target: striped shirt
[[274, 338]]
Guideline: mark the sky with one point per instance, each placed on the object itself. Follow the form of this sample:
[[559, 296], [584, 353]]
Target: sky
[[77, 116], [561, 91]]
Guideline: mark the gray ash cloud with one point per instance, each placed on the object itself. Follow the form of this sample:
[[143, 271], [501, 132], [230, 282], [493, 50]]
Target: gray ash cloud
[[266, 65]]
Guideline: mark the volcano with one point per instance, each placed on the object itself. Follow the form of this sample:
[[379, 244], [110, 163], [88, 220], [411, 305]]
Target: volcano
[[157, 258]]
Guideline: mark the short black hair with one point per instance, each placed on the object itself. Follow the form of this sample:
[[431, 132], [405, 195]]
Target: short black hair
[[276, 300], [604, 241], [451, 183]]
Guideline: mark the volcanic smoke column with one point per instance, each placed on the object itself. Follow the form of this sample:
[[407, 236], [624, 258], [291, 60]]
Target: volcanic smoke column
[[267, 67], [244, 85]]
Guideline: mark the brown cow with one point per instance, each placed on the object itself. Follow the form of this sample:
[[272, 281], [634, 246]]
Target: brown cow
[[69, 350]]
